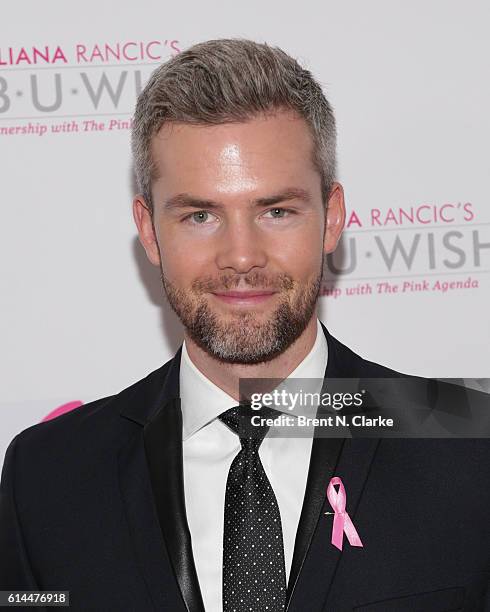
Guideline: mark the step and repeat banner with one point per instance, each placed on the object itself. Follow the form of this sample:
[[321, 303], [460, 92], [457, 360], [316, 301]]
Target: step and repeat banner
[[82, 311]]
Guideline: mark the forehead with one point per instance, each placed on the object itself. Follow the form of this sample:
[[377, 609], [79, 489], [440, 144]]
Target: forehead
[[265, 146]]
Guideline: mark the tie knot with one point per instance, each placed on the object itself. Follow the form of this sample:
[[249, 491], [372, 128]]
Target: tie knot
[[240, 419]]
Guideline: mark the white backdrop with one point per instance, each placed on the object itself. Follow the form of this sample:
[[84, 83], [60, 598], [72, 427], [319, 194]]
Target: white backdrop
[[82, 311]]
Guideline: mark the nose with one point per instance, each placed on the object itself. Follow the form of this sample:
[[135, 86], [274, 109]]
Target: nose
[[241, 247]]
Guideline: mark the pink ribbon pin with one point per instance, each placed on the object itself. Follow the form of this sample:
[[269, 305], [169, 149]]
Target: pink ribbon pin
[[341, 520]]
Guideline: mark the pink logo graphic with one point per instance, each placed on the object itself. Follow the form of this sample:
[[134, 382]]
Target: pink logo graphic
[[61, 410], [341, 520]]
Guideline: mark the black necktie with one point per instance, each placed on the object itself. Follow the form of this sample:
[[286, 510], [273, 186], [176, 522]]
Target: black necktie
[[254, 576]]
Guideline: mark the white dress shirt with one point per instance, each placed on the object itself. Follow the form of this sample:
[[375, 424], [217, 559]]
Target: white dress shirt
[[209, 447]]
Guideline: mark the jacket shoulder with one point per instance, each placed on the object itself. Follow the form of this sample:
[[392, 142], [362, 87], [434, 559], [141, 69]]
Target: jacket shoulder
[[347, 361], [92, 420]]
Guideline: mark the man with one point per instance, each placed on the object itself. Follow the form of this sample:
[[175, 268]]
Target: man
[[152, 499]]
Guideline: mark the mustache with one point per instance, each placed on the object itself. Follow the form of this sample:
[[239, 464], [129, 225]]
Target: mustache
[[256, 280]]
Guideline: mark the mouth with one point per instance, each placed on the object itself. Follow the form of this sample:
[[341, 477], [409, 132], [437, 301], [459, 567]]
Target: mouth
[[244, 298]]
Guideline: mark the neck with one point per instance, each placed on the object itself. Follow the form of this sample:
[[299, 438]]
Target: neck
[[226, 376]]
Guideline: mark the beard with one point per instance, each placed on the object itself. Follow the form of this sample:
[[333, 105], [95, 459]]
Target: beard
[[242, 337]]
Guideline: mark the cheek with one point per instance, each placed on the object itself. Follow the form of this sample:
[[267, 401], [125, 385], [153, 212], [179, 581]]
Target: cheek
[[183, 258], [301, 254]]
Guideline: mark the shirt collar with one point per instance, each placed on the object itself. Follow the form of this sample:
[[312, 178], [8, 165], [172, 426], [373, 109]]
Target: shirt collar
[[202, 401]]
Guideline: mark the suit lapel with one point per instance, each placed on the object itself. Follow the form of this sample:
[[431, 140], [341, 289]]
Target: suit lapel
[[315, 560], [163, 445], [323, 462], [149, 548], [151, 477]]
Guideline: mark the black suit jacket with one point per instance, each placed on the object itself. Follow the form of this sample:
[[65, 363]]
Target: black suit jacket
[[93, 502]]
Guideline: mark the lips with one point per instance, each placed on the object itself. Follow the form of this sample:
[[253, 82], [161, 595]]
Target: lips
[[243, 294], [244, 298]]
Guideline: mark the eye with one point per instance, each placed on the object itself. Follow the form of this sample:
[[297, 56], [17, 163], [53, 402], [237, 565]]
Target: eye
[[198, 218], [281, 212]]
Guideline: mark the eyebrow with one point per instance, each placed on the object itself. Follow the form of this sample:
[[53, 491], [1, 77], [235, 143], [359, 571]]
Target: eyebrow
[[185, 200]]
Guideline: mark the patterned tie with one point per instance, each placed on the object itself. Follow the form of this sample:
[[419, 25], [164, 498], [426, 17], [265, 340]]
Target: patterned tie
[[254, 575]]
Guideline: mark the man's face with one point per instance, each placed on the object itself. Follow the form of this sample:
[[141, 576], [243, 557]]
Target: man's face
[[239, 232]]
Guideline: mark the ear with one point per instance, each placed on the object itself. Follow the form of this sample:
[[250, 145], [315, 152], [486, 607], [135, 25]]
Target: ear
[[335, 218], [146, 231]]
